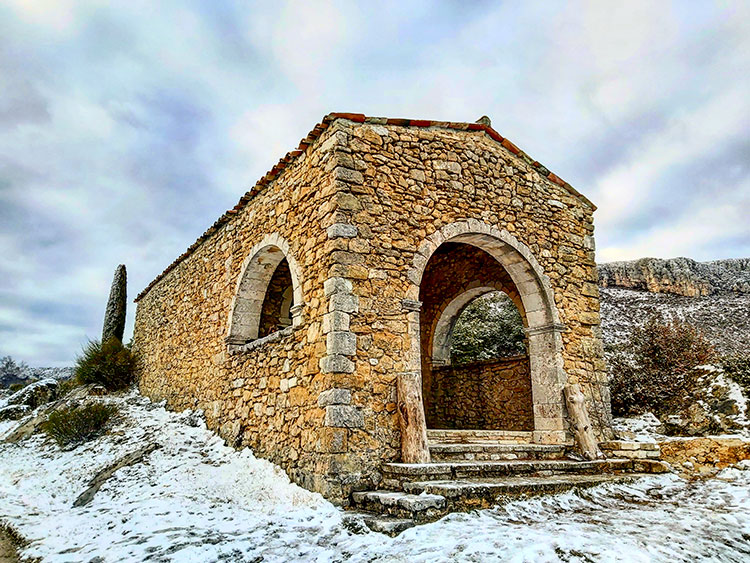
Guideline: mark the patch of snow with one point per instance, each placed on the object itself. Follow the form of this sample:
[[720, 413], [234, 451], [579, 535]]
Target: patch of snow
[[195, 499], [641, 428], [735, 394], [7, 425]]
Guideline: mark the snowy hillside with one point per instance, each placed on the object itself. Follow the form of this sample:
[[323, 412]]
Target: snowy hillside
[[194, 499], [724, 318]]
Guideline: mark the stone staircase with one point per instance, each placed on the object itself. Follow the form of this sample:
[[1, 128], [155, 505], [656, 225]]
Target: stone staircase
[[480, 469]]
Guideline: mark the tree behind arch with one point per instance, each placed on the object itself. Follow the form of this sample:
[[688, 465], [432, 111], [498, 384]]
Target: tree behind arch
[[490, 327]]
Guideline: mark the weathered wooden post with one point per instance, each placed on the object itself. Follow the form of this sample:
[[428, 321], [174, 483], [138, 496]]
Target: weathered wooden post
[[579, 420], [411, 416]]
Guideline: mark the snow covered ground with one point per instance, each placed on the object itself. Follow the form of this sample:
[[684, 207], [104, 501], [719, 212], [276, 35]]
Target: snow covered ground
[[194, 499]]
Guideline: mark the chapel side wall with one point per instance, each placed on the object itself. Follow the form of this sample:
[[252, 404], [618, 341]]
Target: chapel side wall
[[266, 398], [404, 184]]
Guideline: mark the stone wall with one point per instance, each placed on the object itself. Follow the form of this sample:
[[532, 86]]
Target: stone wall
[[271, 394], [407, 188], [487, 395]]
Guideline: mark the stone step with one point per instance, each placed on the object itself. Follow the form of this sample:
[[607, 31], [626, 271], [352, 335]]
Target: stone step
[[361, 521], [396, 474], [495, 452], [418, 508], [427, 501], [438, 436], [463, 494], [631, 450]]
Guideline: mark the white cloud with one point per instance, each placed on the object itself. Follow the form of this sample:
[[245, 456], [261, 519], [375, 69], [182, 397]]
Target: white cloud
[[622, 192], [53, 15], [127, 128], [701, 233]]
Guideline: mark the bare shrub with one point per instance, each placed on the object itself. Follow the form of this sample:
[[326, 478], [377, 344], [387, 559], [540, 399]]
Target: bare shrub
[[654, 369]]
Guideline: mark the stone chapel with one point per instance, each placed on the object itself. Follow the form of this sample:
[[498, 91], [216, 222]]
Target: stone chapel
[[313, 321]]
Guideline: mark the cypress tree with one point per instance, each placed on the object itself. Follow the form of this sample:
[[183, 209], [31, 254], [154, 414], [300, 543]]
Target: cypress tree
[[114, 317]]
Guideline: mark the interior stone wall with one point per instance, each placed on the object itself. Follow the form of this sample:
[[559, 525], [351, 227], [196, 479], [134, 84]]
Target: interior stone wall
[[486, 395], [453, 270]]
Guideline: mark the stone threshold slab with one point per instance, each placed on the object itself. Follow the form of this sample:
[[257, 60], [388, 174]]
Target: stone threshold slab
[[461, 469], [477, 436], [466, 489], [496, 448]]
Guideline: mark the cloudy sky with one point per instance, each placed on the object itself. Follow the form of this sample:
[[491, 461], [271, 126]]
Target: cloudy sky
[[124, 132]]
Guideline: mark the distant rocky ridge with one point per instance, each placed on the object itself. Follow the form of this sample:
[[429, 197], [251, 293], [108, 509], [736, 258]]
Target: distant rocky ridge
[[680, 276]]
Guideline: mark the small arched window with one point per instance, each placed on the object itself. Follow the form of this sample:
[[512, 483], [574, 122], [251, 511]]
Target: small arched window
[[268, 297], [274, 313]]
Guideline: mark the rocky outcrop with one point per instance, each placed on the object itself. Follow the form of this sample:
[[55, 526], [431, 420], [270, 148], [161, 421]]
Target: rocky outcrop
[[704, 456], [35, 394], [31, 424], [716, 406], [681, 276], [22, 402], [103, 476], [114, 317], [13, 412]]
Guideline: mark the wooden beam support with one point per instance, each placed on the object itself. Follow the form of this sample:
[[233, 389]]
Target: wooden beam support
[[580, 422], [414, 447]]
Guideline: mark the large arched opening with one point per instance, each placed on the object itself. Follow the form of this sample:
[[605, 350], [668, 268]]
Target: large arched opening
[[475, 372], [529, 289]]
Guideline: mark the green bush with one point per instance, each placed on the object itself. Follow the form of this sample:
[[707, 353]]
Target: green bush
[[18, 386], [738, 368], [75, 425], [109, 364], [654, 369]]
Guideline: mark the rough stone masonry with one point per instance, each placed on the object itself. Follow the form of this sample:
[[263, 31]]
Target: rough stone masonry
[[295, 318]]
